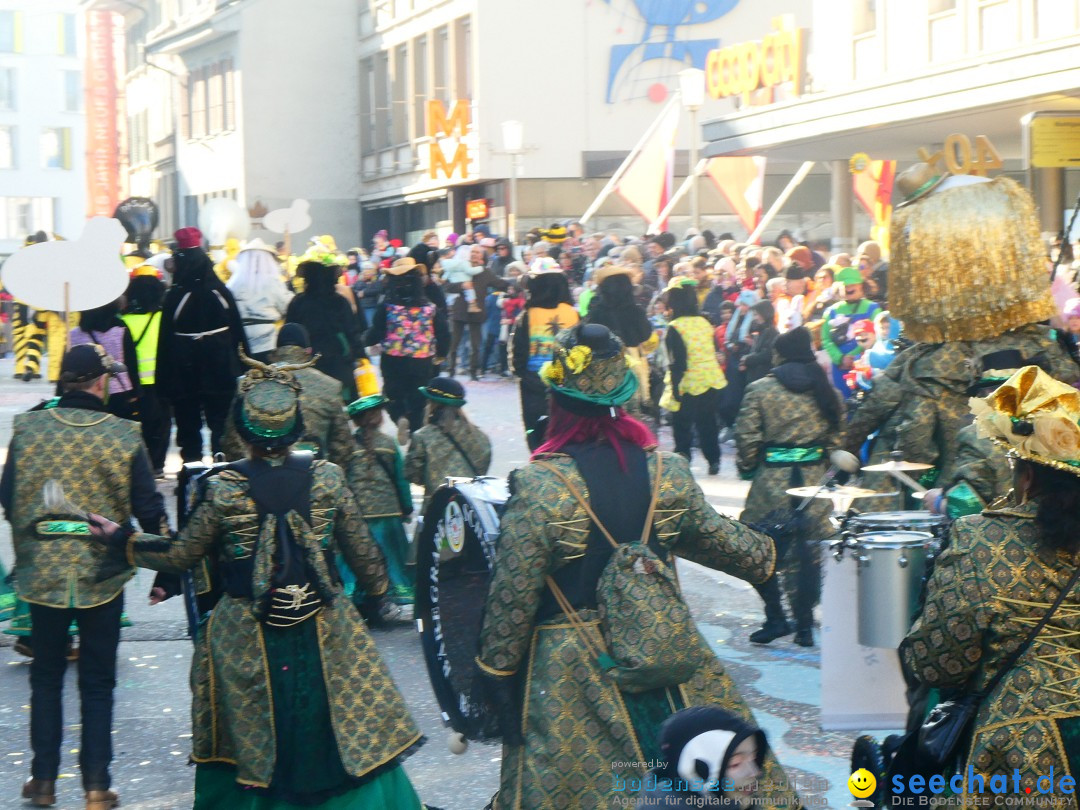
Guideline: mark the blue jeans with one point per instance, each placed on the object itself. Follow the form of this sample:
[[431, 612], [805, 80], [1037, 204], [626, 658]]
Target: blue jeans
[[99, 637]]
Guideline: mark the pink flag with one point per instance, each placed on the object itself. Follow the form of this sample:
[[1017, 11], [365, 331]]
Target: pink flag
[[647, 184], [742, 182]]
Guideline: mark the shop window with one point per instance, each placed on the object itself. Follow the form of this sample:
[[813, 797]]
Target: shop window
[[1055, 18], [56, 148], [7, 147], [998, 24]]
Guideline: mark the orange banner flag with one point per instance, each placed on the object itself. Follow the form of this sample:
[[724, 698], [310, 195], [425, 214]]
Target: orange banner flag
[[742, 182]]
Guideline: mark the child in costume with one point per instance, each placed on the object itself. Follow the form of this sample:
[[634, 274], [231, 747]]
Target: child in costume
[[376, 476], [710, 758]]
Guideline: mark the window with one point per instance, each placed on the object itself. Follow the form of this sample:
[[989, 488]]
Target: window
[[420, 87], [998, 25], [133, 43], [7, 147], [139, 138], [864, 17], [215, 99], [442, 65], [463, 59], [1054, 18], [197, 102], [22, 215], [56, 148], [946, 40], [367, 107], [72, 90], [382, 101], [7, 89], [400, 112], [10, 31], [228, 89], [68, 38]]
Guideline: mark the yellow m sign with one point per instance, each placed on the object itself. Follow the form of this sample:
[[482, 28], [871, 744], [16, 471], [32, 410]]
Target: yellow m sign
[[441, 126]]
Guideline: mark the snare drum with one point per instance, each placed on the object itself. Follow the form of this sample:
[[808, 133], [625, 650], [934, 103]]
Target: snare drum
[[455, 553], [908, 521], [891, 567]]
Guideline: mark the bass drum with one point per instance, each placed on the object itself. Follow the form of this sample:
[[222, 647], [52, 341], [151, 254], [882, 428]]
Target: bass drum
[[454, 557]]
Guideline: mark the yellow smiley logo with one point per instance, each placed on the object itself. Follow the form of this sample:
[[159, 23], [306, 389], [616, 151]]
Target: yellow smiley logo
[[862, 783]]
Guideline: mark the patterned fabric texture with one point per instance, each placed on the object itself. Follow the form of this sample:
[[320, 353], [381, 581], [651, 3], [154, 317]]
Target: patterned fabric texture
[[702, 370], [989, 587], [61, 571], [921, 400], [378, 494], [432, 456], [410, 331], [577, 725], [980, 475], [544, 325], [326, 430], [231, 714]]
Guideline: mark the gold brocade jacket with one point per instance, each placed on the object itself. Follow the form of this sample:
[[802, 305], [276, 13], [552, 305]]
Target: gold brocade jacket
[[920, 403], [772, 418], [91, 454], [376, 478], [326, 428], [989, 587], [577, 730], [232, 705], [980, 475], [432, 456]]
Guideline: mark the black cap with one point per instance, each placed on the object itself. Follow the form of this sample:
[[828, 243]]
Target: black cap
[[795, 346], [294, 334], [86, 362], [445, 391]]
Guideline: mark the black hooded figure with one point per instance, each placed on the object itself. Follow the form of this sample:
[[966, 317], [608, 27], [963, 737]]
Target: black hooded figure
[[198, 359], [548, 310], [143, 318], [412, 332], [333, 326]]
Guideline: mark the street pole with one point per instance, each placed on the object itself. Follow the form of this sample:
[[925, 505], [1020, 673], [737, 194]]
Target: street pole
[[695, 203], [515, 167]]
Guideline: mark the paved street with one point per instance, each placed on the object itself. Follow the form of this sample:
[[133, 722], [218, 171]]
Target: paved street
[[152, 730]]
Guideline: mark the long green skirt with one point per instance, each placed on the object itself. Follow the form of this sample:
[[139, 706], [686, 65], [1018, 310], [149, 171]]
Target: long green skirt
[[307, 768], [389, 535]]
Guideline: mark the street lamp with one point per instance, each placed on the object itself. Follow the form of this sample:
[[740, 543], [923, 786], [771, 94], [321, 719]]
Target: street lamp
[[692, 91], [513, 135]]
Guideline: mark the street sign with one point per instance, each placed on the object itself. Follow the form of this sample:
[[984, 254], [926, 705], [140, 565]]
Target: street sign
[[1053, 140]]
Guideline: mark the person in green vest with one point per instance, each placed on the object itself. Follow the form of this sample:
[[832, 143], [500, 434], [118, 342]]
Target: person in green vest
[[143, 319], [694, 379], [837, 336]]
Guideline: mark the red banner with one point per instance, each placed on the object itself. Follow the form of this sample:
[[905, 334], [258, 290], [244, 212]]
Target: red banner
[[102, 138]]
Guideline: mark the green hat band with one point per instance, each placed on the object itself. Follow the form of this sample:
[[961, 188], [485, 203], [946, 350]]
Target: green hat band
[[614, 398], [442, 398], [358, 406], [265, 432]]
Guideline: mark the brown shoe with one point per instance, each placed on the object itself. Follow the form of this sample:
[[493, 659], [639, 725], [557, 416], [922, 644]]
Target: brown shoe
[[40, 792], [101, 800], [22, 647]]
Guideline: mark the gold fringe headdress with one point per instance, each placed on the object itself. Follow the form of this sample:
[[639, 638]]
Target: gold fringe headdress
[[967, 260]]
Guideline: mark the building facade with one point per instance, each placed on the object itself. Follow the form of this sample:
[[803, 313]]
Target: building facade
[[254, 100], [888, 77], [42, 130]]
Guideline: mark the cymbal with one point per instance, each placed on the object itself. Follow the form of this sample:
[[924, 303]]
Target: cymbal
[[832, 492], [897, 466]]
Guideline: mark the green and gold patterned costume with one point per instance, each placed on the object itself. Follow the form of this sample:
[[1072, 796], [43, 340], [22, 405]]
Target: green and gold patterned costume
[[376, 476], [236, 710], [580, 731], [62, 570], [981, 475], [784, 441], [432, 456], [326, 429], [920, 403], [989, 587]]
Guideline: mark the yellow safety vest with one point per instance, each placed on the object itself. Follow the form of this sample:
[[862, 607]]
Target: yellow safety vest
[[144, 332]]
